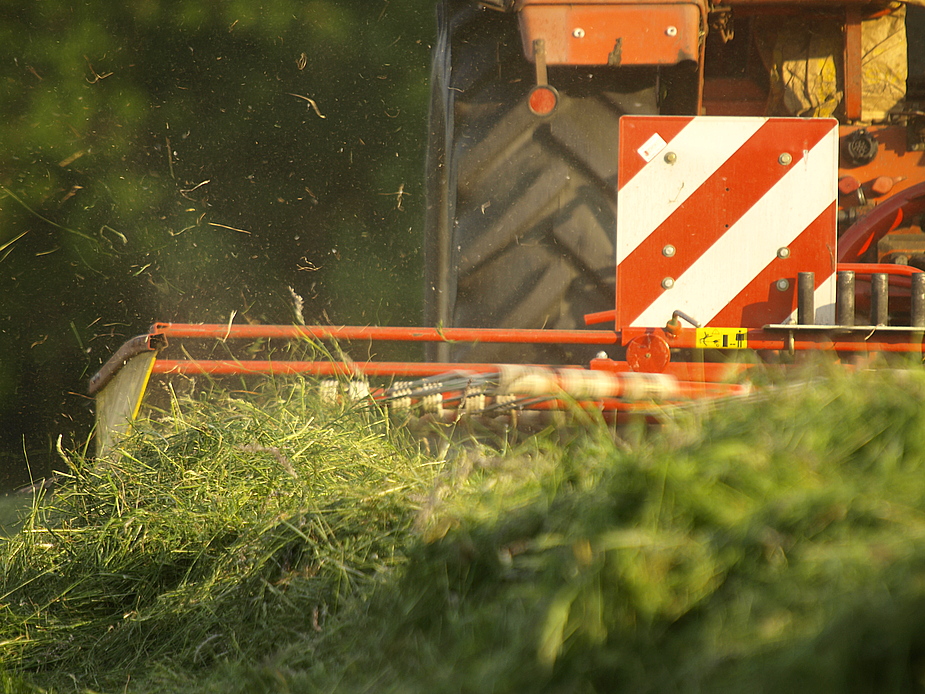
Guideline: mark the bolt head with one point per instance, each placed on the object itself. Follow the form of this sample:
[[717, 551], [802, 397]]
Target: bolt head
[[670, 157], [785, 159], [783, 252], [668, 251], [578, 33], [671, 31], [668, 283], [782, 285]]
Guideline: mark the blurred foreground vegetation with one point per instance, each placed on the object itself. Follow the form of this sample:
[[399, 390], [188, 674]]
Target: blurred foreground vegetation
[[186, 160], [273, 544]]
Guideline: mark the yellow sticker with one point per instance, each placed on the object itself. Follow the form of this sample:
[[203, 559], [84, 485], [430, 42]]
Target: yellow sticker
[[722, 338]]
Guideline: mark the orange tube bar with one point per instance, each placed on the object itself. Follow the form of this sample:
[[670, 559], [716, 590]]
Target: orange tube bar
[[888, 268], [346, 332], [314, 368]]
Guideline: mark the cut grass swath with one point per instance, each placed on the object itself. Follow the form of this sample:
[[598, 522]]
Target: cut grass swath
[[271, 544], [228, 528]]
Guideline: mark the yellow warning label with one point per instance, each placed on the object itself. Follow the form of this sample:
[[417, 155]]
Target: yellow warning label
[[722, 338]]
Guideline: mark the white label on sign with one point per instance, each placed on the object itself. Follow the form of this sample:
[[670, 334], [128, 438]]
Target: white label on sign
[[652, 147]]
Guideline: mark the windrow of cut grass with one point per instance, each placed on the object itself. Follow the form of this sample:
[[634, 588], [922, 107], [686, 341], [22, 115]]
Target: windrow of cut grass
[[266, 544], [222, 530], [772, 545]]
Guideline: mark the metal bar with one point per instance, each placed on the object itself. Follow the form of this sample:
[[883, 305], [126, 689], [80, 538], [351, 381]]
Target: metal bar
[[858, 345], [806, 300], [917, 311], [883, 268], [879, 298], [913, 346], [685, 371], [868, 338], [315, 368], [600, 317], [219, 331], [539, 57], [900, 275], [844, 302], [853, 54]]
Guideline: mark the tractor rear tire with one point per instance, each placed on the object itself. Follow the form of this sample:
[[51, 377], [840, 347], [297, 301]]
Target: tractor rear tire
[[521, 210]]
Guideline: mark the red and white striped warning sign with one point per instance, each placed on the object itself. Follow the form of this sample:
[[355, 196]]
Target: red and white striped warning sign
[[717, 215]]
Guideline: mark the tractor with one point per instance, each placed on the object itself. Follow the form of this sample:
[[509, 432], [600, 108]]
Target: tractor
[[710, 186]]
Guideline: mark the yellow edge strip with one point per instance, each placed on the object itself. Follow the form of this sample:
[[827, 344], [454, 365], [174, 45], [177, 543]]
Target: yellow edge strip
[[144, 387]]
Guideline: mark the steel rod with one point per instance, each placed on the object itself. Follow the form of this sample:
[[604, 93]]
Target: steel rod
[[806, 299], [219, 331], [917, 309], [879, 298], [844, 303]]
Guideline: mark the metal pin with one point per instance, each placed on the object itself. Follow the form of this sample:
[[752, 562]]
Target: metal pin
[[844, 304], [918, 300], [806, 295], [879, 298], [539, 55]]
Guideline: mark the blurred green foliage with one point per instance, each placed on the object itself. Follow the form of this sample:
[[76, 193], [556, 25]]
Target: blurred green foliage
[[182, 159]]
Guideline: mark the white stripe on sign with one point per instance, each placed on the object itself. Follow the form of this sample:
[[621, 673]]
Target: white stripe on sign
[[751, 244], [707, 144]]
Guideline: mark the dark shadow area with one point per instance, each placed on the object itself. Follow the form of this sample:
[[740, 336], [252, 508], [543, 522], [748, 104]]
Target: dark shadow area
[[190, 161]]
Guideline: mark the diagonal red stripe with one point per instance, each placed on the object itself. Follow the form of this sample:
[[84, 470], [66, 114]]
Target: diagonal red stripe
[[761, 302], [712, 209]]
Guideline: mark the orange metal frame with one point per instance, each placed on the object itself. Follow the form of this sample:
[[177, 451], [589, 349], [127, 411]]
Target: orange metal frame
[[616, 34], [631, 32], [781, 338]]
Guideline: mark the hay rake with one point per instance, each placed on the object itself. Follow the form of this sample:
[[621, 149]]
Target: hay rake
[[726, 240]]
